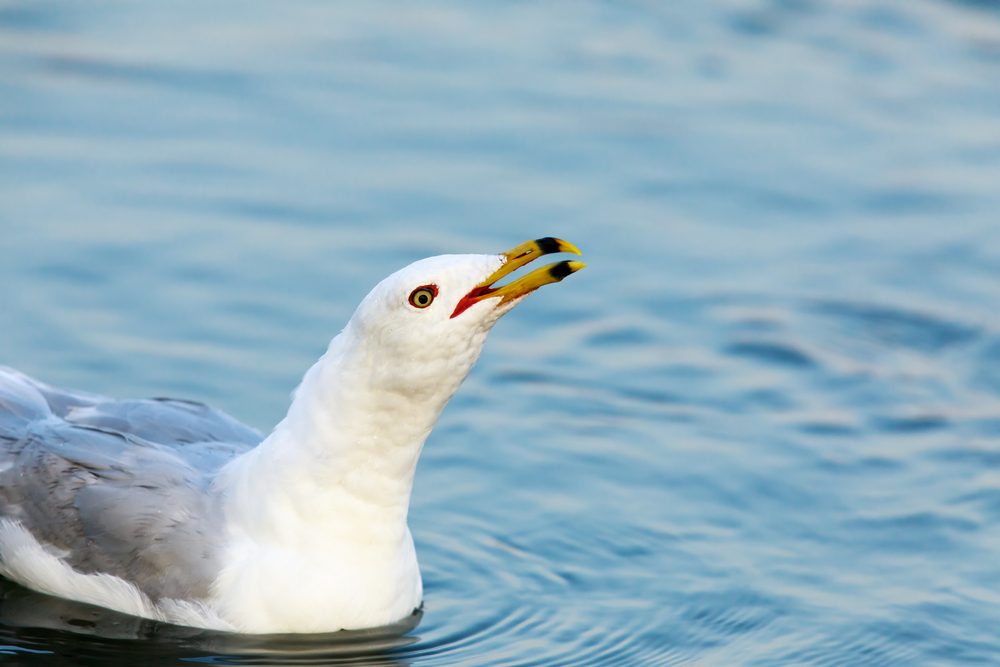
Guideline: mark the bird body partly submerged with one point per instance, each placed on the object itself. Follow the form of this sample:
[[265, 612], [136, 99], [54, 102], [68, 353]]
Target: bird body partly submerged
[[174, 511]]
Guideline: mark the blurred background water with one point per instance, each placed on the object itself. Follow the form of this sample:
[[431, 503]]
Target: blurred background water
[[762, 428]]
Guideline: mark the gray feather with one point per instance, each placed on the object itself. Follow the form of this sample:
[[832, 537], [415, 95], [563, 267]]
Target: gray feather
[[117, 486]]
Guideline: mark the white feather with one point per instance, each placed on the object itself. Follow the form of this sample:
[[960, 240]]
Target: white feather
[[25, 560], [313, 520]]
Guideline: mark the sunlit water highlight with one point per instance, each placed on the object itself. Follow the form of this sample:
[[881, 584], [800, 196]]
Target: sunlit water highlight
[[760, 428]]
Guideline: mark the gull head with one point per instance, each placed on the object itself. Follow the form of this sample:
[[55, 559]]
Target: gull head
[[424, 326]]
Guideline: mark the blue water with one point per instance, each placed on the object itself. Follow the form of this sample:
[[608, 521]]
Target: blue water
[[761, 428]]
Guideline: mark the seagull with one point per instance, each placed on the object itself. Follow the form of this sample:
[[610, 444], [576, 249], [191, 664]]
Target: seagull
[[173, 511]]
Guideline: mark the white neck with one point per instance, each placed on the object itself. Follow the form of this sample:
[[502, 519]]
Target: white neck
[[323, 500], [346, 444]]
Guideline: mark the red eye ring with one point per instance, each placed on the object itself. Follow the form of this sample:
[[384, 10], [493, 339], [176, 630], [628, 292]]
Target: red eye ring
[[423, 296]]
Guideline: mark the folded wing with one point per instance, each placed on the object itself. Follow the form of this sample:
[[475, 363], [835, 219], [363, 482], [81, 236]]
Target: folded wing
[[118, 487]]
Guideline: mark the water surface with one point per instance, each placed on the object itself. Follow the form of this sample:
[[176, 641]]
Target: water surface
[[760, 429]]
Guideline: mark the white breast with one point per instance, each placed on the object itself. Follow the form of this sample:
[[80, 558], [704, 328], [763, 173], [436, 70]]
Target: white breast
[[319, 586]]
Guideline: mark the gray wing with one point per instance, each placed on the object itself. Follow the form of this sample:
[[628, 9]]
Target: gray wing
[[117, 486]]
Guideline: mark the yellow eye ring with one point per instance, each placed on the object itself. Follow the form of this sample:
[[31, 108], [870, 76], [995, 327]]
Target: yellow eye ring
[[423, 296]]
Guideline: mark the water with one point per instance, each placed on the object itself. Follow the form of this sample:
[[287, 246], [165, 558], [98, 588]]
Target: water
[[761, 428]]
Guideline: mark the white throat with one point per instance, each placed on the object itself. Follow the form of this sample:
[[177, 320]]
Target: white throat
[[316, 514]]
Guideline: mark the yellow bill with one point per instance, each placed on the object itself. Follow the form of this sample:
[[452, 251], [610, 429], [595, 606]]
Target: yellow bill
[[515, 258]]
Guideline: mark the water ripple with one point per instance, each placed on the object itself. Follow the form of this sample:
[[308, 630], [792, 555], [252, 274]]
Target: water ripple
[[760, 429]]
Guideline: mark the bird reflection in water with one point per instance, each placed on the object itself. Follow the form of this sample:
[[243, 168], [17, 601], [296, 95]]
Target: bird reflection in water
[[95, 634]]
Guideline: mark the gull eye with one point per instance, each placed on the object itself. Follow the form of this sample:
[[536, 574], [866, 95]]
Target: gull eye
[[423, 296]]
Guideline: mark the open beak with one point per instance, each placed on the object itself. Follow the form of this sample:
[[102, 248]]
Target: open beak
[[514, 259]]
